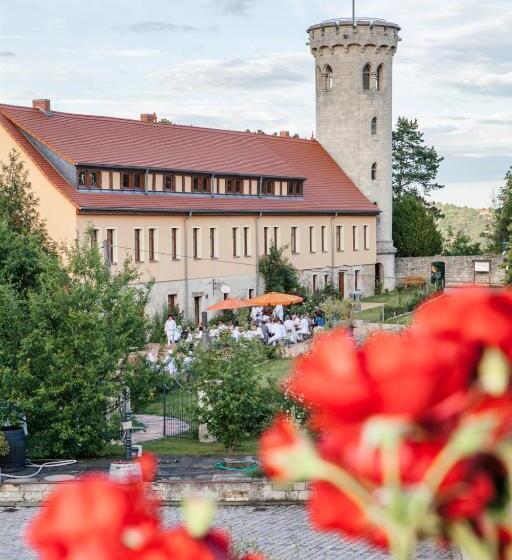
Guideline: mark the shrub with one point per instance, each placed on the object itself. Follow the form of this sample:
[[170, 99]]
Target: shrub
[[336, 310], [4, 445], [235, 403]]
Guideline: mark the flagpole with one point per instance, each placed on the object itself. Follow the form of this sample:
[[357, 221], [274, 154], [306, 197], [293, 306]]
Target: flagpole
[[354, 13]]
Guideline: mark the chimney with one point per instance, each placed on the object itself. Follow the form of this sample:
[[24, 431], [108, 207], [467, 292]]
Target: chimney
[[42, 104], [284, 134], [148, 118]]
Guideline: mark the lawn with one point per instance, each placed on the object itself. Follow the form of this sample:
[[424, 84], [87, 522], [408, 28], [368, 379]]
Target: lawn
[[390, 298]]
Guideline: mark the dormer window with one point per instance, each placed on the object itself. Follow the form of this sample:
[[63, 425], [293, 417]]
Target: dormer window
[[89, 178], [234, 185], [201, 183], [170, 183], [295, 188], [132, 181], [268, 187]]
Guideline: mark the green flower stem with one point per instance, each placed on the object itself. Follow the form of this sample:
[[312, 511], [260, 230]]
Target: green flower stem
[[338, 477], [466, 539]]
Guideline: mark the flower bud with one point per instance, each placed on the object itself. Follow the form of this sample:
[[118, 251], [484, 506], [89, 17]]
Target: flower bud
[[198, 515], [494, 372]]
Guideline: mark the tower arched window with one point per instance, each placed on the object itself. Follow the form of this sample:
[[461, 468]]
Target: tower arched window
[[374, 171], [328, 79], [374, 126], [367, 71], [379, 78]]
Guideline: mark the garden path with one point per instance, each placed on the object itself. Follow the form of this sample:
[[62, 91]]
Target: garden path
[[155, 426]]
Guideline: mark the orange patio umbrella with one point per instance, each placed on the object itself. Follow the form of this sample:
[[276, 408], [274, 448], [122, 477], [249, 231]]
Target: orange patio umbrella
[[228, 304], [274, 298]]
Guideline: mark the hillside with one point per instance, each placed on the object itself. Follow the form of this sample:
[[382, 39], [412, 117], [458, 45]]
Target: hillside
[[472, 221]]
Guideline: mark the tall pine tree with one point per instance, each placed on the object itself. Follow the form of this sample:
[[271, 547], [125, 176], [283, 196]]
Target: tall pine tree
[[500, 234]]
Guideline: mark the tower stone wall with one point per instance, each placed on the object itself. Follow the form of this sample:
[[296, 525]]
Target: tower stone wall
[[354, 94]]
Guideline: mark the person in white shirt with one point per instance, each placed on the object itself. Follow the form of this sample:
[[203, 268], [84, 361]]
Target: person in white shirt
[[291, 332], [279, 312], [279, 333], [304, 326], [170, 328], [256, 312], [236, 334]]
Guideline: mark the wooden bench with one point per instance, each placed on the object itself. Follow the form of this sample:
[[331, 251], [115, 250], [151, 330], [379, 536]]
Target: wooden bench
[[414, 281]]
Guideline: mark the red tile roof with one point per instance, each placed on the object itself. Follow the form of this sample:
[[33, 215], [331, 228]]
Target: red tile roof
[[107, 141]]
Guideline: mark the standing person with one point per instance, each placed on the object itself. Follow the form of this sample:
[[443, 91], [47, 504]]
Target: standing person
[[170, 329], [279, 312]]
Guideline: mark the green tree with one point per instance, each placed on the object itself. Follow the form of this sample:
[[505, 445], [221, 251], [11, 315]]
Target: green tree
[[18, 203], [415, 165], [278, 272], [460, 244], [499, 234], [415, 233]]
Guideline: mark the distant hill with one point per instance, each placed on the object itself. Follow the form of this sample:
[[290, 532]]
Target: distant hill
[[472, 221]]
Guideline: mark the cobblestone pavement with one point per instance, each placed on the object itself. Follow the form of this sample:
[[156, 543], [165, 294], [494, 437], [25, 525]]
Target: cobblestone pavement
[[281, 532]]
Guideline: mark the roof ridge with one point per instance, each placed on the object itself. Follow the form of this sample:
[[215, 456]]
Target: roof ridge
[[175, 125]]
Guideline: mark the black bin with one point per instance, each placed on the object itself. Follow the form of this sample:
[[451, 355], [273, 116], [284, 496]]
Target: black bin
[[17, 457]]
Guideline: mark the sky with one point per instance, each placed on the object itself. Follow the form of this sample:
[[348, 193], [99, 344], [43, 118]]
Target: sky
[[244, 64]]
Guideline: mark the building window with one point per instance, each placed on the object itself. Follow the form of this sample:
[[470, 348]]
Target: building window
[[251, 293], [374, 172], [374, 126], [265, 240], [328, 79], [110, 245], [174, 244], [324, 239], [356, 280], [169, 183], [234, 234], [89, 178], [366, 236], [367, 72], [340, 239], [195, 243], [268, 187], [379, 78], [293, 240], [213, 243], [201, 183], [94, 234], [132, 181], [355, 238], [312, 241], [247, 242], [172, 302], [138, 248], [314, 283], [234, 185], [295, 188], [327, 280], [275, 240], [152, 244]]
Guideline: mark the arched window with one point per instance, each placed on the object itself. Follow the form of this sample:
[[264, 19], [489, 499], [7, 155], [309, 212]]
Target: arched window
[[374, 126], [374, 171], [367, 71], [379, 77], [328, 78]]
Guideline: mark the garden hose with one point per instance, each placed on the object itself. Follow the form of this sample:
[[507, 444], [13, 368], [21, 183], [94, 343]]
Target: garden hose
[[249, 469]]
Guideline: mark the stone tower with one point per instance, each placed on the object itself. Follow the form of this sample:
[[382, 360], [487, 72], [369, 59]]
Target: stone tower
[[354, 78]]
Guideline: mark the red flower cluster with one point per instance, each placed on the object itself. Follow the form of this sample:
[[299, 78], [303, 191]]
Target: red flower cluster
[[97, 518], [429, 383]]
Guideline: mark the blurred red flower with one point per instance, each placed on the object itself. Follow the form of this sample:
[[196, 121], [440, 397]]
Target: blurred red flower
[[179, 545], [149, 466]]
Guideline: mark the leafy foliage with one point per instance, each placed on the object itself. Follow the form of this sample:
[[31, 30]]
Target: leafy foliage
[[279, 273], [4, 445], [236, 403], [415, 233], [500, 231], [460, 244], [471, 221], [336, 310], [415, 165]]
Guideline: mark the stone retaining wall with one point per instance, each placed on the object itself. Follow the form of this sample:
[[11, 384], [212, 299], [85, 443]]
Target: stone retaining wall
[[458, 270], [14, 494]]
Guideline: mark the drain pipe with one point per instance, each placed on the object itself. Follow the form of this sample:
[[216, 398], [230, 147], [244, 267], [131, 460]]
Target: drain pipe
[[257, 227], [332, 247], [185, 242]]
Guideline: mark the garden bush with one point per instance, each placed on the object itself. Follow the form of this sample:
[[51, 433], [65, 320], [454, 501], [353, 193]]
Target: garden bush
[[4, 445], [237, 403], [336, 310]]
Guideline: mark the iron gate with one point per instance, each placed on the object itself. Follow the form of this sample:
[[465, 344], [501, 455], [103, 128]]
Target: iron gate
[[179, 403]]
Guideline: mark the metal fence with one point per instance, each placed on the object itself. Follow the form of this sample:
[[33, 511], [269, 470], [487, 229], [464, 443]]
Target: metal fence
[[179, 403]]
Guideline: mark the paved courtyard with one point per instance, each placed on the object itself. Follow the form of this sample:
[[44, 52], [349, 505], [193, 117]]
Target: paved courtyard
[[281, 532]]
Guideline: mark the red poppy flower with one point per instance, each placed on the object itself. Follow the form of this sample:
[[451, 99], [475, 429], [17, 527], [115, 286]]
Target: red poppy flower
[[286, 455], [332, 510], [477, 317], [179, 545], [149, 466], [95, 518]]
